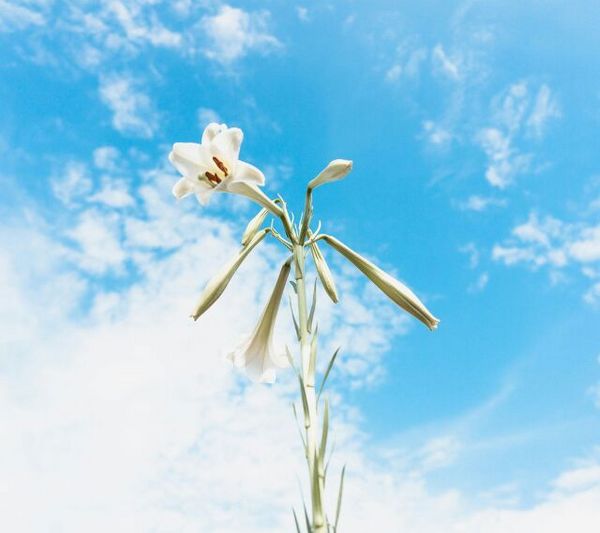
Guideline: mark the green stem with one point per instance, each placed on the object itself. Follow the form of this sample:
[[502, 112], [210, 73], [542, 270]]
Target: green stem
[[311, 422]]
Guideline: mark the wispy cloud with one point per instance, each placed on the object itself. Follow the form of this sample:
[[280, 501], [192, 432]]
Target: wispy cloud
[[548, 242], [16, 15], [479, 203], [233, 32], [132, 109], [515, 117]]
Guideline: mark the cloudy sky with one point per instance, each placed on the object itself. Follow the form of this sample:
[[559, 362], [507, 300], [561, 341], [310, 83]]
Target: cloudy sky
[[473, 127]]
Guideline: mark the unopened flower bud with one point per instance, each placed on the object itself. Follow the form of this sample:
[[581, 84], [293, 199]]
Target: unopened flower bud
[[215, 287], [324, 272], [254, 225], [399, 293], [336, 170]]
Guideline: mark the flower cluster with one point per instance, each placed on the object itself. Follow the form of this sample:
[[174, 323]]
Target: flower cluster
[[212, 166]]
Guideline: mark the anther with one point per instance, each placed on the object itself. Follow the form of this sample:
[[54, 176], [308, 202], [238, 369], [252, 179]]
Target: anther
[[221, 166], [213, 178]]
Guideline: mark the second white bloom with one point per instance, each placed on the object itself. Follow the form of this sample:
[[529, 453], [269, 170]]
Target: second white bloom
[[257, 354]]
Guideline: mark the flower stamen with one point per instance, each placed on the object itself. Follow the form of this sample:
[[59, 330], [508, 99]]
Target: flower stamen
[[221, 165], [212, 178]]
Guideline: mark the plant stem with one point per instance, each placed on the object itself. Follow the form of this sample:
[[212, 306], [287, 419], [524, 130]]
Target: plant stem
[[311, 421]]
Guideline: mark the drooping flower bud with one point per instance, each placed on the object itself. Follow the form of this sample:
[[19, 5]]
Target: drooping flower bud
[[399, 293], [215, 287], [254, 225], [257, 354], [324, 272], [334, 171]]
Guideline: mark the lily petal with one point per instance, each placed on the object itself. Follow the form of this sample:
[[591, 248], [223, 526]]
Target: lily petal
[[248, 173], [227, 145], [184, 187], [203, 193], [211, 131], [189, 159]]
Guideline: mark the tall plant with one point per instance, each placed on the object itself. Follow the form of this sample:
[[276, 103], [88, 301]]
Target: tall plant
[[214, 166]]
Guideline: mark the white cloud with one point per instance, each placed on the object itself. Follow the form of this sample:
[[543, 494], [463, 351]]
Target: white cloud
[[515, 117], [98, 244], [233, 32], [106, 157], [592, 296], [206, 116], [114, 193], [130, 17], [127, 417], [302, 13], [504, 162], [545, 108], [73, 184], [408, 62], [132, 109], [18, 16], [473, 253], [555, 244], [436, 134], [479, 203], [480, 283], [444, 64], [586, 248]]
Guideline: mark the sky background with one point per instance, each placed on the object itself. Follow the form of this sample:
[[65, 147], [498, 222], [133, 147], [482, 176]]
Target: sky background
[[474, 131]]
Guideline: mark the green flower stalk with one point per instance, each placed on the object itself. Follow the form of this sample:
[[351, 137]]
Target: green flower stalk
[[214, 166]]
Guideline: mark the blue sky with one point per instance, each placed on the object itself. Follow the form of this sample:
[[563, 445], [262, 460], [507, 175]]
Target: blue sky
[[473, 127]]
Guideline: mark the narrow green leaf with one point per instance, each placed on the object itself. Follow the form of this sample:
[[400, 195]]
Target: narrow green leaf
[[294, 286], [329, 459], [308, 526], [304, 400], [313, 306], [339, 502], [296, 521], [323, 444], [296, 327], [329, 367], [299, 427], [317, 509], [313, 352]]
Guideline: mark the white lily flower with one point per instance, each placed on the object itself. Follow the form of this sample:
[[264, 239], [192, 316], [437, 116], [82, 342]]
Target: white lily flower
[[399, 293], [257, 354], [215, 287], [214, 166], [336, 170]]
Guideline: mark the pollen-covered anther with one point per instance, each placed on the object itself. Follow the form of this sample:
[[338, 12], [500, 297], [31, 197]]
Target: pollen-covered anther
[[221, 165], [213, 178]]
